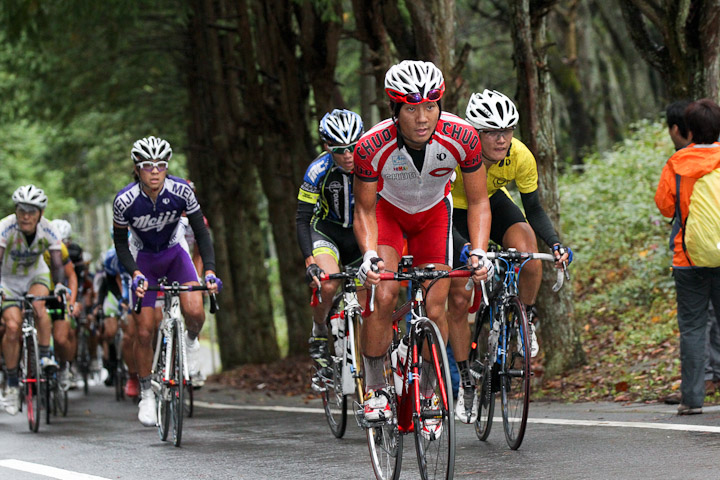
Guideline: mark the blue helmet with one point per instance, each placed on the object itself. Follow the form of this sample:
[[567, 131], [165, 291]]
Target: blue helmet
[[341, 127]]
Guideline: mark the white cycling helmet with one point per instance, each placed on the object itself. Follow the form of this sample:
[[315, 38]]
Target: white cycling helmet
[[62, 227], [30, 195], [491, 110], [341, 127], [151, 148], [414, 82]]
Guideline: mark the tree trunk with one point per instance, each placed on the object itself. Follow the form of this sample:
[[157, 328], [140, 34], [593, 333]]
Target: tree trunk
[[688, 57], [227, 183], [558, 329]]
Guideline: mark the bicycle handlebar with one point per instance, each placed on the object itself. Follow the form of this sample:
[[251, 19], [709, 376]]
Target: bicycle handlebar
[[177, 289], [350, 274], [515, 256]]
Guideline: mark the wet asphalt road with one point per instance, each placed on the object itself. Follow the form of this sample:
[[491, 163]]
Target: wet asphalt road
[[236, 435]]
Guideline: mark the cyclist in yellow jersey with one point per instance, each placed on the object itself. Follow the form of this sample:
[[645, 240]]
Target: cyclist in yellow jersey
[[507, 160], [63, 331]]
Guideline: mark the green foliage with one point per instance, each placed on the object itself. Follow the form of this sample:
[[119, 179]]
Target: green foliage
[[24, 154], [625, 295]]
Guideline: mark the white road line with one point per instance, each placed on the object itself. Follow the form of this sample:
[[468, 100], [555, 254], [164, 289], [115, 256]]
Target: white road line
[[548, 421], [46, 471]]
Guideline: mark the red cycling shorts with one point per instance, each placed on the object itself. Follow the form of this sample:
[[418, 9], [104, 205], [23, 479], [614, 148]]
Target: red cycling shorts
[[428, 233]]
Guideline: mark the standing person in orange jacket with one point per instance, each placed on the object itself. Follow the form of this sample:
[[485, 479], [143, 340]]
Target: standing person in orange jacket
[[697, 282]]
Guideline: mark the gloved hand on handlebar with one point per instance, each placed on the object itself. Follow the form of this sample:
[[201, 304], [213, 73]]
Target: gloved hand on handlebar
[[369, 260], [562, 254], [482, 261], [312, 274], [210, 280], [139, 284], [61, 289]]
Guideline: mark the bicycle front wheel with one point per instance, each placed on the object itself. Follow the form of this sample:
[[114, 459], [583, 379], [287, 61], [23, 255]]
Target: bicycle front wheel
[[161, 395], [481, 370], [334, 401], [177, 390], [32, 393], [434, 424], [384, 440], [515, 374]]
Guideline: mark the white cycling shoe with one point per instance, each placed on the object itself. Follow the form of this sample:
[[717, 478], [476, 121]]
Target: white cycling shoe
[[461, 412], [147, 408], [192, 347]]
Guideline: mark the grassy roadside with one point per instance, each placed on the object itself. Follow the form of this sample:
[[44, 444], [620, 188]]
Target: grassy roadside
[[624, 294]]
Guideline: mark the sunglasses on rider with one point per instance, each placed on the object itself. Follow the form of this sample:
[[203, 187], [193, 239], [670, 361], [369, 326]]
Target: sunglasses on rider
[[341, 149], [496, 134], [416, 98], [148, 166]]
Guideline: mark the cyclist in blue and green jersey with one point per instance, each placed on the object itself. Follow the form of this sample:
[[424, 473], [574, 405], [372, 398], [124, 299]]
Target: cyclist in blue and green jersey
[[325, 215]]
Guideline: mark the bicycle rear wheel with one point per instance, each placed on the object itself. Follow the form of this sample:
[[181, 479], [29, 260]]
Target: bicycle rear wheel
[[515, 374], [481, 370], [177, 389], [385, 442], [31, 377], [60, 401], [334, 401], [434, 424], [188, 401]]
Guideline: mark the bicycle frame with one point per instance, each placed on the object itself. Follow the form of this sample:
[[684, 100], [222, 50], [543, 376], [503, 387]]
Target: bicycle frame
[[172, 318]]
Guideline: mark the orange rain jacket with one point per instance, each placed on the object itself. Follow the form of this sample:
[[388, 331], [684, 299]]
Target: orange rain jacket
[[691, 163]]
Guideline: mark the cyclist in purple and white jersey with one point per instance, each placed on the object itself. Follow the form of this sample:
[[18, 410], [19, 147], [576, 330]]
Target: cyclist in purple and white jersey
[[151, 208]]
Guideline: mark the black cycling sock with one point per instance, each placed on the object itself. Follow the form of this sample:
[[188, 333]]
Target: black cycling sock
[[44, 350], [465, 373], [12, 377], [319, 330], [145, 383]]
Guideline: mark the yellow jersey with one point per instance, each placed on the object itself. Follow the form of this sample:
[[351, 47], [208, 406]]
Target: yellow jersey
[[65, 260], [519, 166]]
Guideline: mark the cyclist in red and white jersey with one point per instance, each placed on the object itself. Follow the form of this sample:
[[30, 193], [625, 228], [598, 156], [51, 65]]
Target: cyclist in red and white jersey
[[407, 161]]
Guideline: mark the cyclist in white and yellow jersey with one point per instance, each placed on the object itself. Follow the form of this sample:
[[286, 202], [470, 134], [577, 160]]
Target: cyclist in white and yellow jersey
[[507, 160], [24, 237]]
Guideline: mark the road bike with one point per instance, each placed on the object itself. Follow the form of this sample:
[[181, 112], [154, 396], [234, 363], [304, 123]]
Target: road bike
[[500, 359], [169, 373], [418, 386], [32, 380], [344, 378]]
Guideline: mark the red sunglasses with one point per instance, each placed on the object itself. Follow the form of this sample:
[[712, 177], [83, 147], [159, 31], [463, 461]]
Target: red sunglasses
[[415, 98]]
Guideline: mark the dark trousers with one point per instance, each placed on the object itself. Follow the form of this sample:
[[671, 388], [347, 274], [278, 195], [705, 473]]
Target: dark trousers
[[695, 288]]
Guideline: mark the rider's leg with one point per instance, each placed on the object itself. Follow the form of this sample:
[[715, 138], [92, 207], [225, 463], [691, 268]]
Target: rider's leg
[[376, 332], [12, 318], [522, 237], [42, 319], [61, 339]]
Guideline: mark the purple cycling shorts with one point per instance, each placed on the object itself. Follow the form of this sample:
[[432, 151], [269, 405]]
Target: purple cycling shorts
[[173, 263]]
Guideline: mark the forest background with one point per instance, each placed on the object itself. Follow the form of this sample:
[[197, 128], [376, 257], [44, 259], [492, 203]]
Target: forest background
[[238, 86]]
